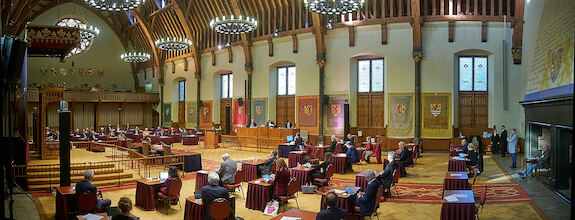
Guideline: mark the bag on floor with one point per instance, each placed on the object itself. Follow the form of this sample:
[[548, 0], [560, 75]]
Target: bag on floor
[[272, 208], [309, 189]]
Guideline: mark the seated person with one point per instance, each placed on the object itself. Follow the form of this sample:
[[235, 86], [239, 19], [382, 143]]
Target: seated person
[[352, 156], [266, 168], [281, 178], [92, 136], [172, 176], [542, 160], [270, 124], [367, 150], [405, 158], [366, 201], [471, 158], [212, 192], [85, 185], [332, 212], [77, 132], [332, 145], [464, 144], [112, 133], [289, 124], [253, 124], [351, 138], [137, 130], [298, 141], [102, 131], [309, 149], [118, 129], [320, 170], [121, 136], [227, 170], [124, 206], [386, 178]]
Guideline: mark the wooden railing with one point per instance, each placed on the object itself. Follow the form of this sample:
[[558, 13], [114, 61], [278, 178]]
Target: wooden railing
[[252, 142], [100, 96]]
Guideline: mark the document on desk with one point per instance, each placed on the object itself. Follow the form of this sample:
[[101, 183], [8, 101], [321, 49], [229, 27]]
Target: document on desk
[[451, 198], [290, 218], [460, 195], [338, 191], [90, 216], [456, 174]]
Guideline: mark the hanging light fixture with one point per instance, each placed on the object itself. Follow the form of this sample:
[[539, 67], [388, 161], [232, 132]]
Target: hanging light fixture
[[115, 5], [333, 7], [233, 25], [173, 43], [87, 33], [135, 57]]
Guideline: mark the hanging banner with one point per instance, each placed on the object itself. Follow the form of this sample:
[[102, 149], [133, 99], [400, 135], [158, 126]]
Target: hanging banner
[[259, 111], [400, 115], [436, 115], [307, 112], [206, 114], [191, 114], [335, 114], [167, 114], [240, 115]]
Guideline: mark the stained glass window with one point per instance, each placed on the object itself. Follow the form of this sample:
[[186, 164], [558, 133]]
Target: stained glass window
[[286, 80], [227, 86], [370, 75], [473, 74], [85, 44], [480, 74], [182, 90]]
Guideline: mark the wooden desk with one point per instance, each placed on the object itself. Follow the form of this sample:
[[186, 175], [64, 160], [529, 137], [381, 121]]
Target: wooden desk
[[361, 181], [294, 158], [146, 193], [303, 214], [455, 180], [195, 210], [303, 174], [339, 161], [463, 208], [66, 201], [211, 139], [457, 164], [250, 169], [259, 194], [343, 202]]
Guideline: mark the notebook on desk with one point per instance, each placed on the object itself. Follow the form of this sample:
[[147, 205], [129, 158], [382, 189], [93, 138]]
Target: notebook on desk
[[163, 176], [350, 191]]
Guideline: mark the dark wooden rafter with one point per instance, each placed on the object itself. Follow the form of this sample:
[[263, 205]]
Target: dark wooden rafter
[[384, 33], [270, 47], [145, 29], [351, 33], [450, 30], [295, 43]]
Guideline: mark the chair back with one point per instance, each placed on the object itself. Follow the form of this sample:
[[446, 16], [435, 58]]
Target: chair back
[[220, 209], [396, 174], [483, 196], [87, 201], [330, 171], [378, 198], [415, 154], [294, 186], [146, 149], [475, 170], [167, 150], [338, 148], [174, 189], [239, 177]]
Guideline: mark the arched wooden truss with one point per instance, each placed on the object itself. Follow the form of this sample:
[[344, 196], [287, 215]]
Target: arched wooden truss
[[190, 18]]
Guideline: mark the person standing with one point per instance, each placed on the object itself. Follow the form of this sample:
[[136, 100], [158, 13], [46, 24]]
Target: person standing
[[503, 138], [495, 141], [512, 147]]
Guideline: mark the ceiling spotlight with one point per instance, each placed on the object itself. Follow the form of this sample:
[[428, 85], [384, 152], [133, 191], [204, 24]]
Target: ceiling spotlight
[[329, 26], [219, 46], [228, 44], [276, 32]]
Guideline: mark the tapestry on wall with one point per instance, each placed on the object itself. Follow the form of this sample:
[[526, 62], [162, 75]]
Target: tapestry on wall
[[191, 113], [240, 115], [436, 115], [307, 112], [206, 114], [335, 114], [167, 114], [400, 115], [259, 111]]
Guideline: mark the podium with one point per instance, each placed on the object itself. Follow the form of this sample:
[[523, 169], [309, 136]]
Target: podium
[[211, 139]]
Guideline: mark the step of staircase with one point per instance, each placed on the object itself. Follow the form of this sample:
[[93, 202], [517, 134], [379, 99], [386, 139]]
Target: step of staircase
[[57, 167], [114, 182], [74, 179], [77, 173]]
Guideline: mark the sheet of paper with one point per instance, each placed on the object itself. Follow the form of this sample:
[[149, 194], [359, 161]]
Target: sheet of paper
[[92, 217], [456, 174], [460, 195], [290, 218], [338, 191], [451, 198]]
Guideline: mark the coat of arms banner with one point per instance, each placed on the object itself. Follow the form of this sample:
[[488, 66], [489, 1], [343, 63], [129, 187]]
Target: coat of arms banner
[[400, 113], [307, 111], [191, 114], [240, 115], [167, 114], [436, 115], [259, 111], [335, 114], [206, 114]]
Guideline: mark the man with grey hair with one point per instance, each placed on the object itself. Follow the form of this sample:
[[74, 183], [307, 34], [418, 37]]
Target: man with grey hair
[[228, 169], [386, 178], [405, 158], [366, 201], [85, 186], [212, 192]]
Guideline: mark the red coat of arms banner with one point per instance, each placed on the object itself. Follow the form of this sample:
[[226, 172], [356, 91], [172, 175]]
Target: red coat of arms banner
[[307, 111], [335, 114], [240, 115]]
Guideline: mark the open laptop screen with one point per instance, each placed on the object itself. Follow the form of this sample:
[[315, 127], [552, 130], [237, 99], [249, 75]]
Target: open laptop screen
[[289, 138], [163, 176]]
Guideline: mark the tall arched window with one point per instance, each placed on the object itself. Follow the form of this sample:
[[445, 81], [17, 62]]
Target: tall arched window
[[370, 96], [473, 99], [285, 100], [227, 85]]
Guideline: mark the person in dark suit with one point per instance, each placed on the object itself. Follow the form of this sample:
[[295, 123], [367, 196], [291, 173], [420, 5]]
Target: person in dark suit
[[464, 144], [332, 212], [352, 156], [405, 158], [253, 124], [212, 192], [267, 166], [124, 206], [350, 138], [332, 145], [472, 156], [495, 141], [542, 161], [85, 185], [298, 141], [366, 201], [92, 136], [281, 179], [320, 170], [289, 124], [386, 178], [172, 176], [228, 169], [503, 142]]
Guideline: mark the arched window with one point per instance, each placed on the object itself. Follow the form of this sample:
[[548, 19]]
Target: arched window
[[370, 92], [227, 86], [85, 44], [473, 98], [286, 89], [286, 80], [182, 90]]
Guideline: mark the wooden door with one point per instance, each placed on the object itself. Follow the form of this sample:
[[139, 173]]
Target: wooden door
[[182, 114], [223, 118], [370, 108], [473, 110], [285, 110], [155, 119]]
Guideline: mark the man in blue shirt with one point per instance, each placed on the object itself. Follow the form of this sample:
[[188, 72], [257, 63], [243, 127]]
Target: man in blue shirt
[[366, 201], [85, 185]]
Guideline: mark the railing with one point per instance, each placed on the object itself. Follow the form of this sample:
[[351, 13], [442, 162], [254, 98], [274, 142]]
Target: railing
[[132, 161], [252, 142], [100, 96]]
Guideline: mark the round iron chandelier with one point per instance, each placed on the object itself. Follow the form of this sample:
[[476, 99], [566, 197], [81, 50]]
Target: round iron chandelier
[[233, 25], [333, 7], [115, 5], [135, 57], [88, 32], [173, 43]]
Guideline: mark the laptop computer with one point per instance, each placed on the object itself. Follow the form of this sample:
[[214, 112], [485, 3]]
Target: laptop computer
[[461, 155], [289, 138], [351, 191], [198, 195], [267, 177], [163, 176]]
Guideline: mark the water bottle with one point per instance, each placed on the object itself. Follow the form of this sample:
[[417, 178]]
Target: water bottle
[[298, 165], [255, 158]]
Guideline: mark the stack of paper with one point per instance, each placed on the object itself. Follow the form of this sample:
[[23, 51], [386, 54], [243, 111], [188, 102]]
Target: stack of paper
[[90, 216], [338, 191], [290, 218], [451, 198], [456, 174], [460, 195]]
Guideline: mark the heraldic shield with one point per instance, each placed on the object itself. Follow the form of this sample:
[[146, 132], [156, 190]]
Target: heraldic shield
[[401, 109], [435, 109]]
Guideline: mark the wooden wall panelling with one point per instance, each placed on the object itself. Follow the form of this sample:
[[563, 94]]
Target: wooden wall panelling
[[441, 145], [363, 110], [376, 110], [223, 119]]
